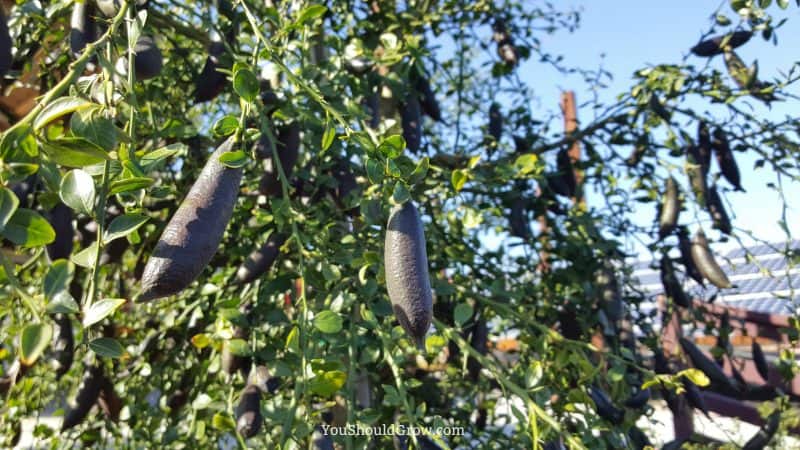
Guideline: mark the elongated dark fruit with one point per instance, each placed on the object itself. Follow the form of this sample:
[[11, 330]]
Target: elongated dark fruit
[[760, 361], [555, 444], [479, 341], [427, 99], [672, 286], [88, 392], [696, 172], [261, 260], [320, 440], [495, 122], [505, 43], [63, 345], [725, 159], [193, 234], [638, 399], [210, 82], [61, 221], [407, 281], [703, 363], [346, 184], [5, 45], [685, 246], [108, 401], [248, 412], [605, 407], [82, 27], [358, 65], [717, 211], [705, 262], [694, 396], [760, 440], [517, 220], [714, 46], [637, 437], [703, 148], [411, 116], [148, 61], [566, 171], [288, 148], [670, 208]]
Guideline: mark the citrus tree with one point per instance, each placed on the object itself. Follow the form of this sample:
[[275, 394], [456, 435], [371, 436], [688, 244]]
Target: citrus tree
[[235, 223]]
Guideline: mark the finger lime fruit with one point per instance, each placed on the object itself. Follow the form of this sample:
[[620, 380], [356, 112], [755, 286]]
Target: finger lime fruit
[[61, 221], [725, 159], [705, 262], [248, 412], [407, 280], [194, 232], [261, 259], [717, 44], [88, 392], [288, 148], [670, 208]]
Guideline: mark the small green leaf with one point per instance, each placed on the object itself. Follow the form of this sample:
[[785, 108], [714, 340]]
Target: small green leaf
[[107, 347], [458, 178], [327, 383], [77, 191], [245, 84], [238, 347], [8, 204], [129, 184], [375, 171], [100, 310], [293, 341], [223, 422], [124, 225], [57, 279], [93, 127], [74, 152], [35, 338], [60, 107], [400, 194], [420, 171], [86, 257], [310, 13], [393, 146], [328, 322], [695, 376], [328, 136], [28, 228], [462, 313], [151, 159], [62, 303], [234, 160], [526, 163], [225, 126]]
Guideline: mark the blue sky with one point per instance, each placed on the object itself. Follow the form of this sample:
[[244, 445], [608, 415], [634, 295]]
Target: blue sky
[[626, 35]]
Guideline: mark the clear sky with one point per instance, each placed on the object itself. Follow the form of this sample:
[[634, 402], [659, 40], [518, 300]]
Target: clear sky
[[625, 35]]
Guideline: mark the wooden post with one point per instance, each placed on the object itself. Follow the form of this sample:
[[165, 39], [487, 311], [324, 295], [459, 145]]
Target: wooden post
[[570, 112]]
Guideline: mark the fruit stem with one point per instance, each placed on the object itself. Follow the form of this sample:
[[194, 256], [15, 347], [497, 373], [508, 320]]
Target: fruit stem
[[398, 382], [316, 96]]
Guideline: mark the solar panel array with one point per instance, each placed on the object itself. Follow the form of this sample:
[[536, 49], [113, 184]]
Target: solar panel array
[[764, 281]]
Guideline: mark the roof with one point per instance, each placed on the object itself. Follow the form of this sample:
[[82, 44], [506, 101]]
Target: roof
[[764, 281]]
